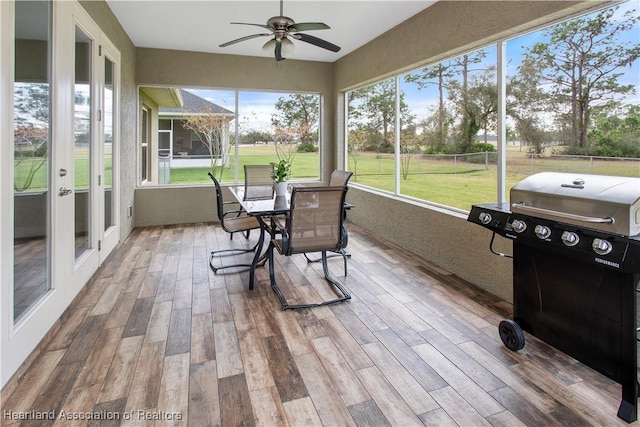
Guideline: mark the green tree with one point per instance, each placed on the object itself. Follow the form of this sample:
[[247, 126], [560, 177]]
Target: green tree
[[582, 62], [438, 75], [299, 111]]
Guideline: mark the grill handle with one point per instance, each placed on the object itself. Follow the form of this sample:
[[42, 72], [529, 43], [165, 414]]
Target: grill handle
[[522, 208]]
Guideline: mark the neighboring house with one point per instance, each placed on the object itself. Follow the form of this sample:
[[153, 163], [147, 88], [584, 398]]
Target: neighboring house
[[182, 146]]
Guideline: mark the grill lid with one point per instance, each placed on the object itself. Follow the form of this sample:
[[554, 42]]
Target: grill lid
[[606, 203]]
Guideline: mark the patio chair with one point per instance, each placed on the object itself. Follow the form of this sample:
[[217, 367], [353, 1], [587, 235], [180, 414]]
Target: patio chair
[[258, 183], [313, 224], [339, 178], [232, 221]]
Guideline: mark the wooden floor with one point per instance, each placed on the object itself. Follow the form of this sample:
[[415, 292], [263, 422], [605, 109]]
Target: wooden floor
[[158, 339]]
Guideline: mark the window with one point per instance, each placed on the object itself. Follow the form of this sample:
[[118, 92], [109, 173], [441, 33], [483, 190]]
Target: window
[[145, 133], [431, 133], [222, 130]]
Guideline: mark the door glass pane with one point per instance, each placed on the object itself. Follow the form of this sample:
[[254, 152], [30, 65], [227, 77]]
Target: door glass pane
[[82, 146], [31, 154], [107, 179]]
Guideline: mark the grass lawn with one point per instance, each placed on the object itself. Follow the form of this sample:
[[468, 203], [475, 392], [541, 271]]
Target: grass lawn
[[448, 181]]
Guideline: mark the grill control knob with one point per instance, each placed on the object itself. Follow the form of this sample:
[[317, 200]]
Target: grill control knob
[[518, 225], [601, 246], [570, 238], [485, 218], [542, 231]]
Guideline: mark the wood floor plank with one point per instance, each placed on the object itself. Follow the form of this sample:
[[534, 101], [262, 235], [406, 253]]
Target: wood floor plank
[[284, 370], [145, 386], [79, 401], [327, 398], [32, 384], [418, 399], [203, 345], [228, 355], [356, 357], [108, 414], [241, 312], [437, 418], [183, 294], [54, 394], [173, 399], [235, 408], [139, 317], [301, 413], [480, 374], [201, 302], [84, 340], [254, 359], [121, 311], [268, 409], [512, 378], [459, 381], [391, 404], [457, 408], [150, 284], [204, 399], [179, 338], [97, 365], [340, 373], [159, 321], [220, 306], [367, 413], [425, 374], [297, 341], [120, 375]]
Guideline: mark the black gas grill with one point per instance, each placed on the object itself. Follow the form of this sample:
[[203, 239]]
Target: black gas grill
[[576, 269]]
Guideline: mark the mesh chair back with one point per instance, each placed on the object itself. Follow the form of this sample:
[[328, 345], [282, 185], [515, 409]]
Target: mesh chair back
[[315, 221], [258, 183], [339, 178], [219, 200]]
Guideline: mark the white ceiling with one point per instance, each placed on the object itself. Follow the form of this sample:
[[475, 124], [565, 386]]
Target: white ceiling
[[203, 25]]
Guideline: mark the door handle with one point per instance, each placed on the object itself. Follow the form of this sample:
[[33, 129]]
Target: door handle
[[64, 191]]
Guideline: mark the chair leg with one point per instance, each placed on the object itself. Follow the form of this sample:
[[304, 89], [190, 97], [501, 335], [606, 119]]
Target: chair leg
[[341, 252], [229, 252], [343, 295]]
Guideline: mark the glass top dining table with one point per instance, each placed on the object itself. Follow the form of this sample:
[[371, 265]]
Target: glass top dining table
[[263, 209], [262, 206]]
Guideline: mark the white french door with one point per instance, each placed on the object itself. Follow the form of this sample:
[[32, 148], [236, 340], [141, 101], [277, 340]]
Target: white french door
[[60, 176]]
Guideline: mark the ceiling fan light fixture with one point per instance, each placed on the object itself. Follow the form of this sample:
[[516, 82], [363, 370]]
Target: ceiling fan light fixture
[[269, 46]]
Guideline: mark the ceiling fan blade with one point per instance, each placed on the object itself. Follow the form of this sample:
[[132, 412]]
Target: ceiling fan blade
[[278, 51], [241, 39], [317, 42], [308, 26], [255, 25]]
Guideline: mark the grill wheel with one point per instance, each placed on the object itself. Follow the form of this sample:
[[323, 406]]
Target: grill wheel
[[511, 335]]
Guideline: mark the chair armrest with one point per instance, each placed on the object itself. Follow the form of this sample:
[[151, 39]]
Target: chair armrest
[[237, 213]]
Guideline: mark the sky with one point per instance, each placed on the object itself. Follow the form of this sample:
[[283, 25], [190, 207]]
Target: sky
[[255, 108]]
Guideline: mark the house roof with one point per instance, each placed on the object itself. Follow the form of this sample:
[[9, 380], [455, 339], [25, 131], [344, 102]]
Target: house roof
[[193, 104]]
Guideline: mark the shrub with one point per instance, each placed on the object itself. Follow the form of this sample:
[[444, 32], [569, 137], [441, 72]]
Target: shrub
[[307, 147]]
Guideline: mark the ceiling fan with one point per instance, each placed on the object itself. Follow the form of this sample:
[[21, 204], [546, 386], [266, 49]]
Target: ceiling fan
[[282, 28]]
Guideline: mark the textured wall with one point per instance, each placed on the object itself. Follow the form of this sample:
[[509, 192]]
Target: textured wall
[[440, 237]]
